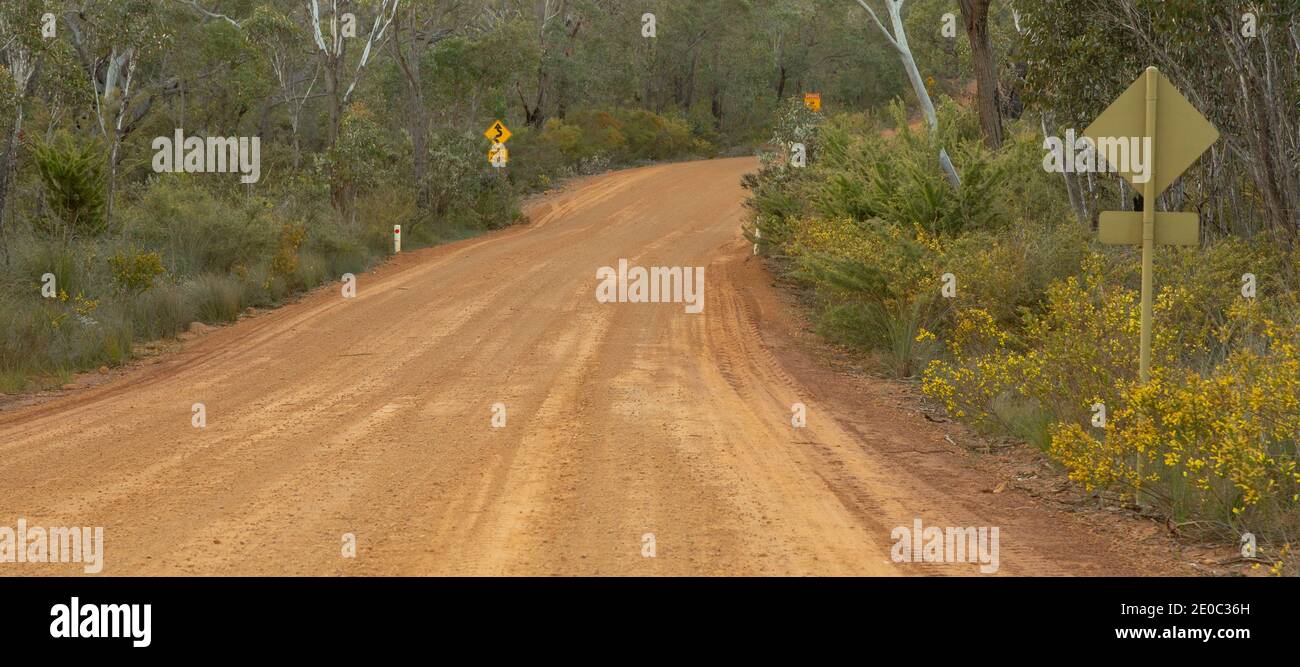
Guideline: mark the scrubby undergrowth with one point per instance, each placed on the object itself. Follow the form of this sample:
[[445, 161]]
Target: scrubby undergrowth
[[78, 292], [1043, 328]]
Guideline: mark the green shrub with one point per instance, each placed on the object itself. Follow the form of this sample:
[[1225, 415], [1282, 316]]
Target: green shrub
[[342, 252], [72, 173], [56, 336], [197, 233], [459, 177], [587, 142], [70, 263], [217, 299], [1008, 272], [310, 271], [898, 179], [650, 136], [796, 123], [876, 283], [135, 272], [285, 260], [161, 312]]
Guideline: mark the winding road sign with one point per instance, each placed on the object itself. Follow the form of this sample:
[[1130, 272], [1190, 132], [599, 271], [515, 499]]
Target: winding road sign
[[498, 133]]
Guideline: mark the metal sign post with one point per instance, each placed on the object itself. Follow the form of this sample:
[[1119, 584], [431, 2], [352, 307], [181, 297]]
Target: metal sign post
[[1148, 228]]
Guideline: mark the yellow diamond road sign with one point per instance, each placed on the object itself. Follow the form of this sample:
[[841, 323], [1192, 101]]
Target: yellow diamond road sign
[[498, 133], [1182, 133]]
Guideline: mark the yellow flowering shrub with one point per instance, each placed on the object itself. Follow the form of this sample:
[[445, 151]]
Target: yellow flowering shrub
[[905, 259], [1065, 359], [981, 368], [839, 236], [1045, 324], [1219, 446], [1079, 347], [136, 272], [1009, 272]]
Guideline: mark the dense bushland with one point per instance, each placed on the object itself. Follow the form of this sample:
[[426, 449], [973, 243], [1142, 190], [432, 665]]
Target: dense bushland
[[180, 250], [1044, 324], [102, 249]]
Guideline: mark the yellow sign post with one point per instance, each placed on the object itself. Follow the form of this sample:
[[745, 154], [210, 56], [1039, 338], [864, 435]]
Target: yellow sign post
[[813, 101], [1174, 135]]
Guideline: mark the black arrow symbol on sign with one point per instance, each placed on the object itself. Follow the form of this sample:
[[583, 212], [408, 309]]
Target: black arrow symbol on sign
[[499, 130]]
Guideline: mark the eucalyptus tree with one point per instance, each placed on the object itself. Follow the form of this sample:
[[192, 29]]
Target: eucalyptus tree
[[898, 40], [117, 43], [417, 31], [1240, 66], [976, 18], [21, 47], [332, 25], [553, 24], [297, 73]]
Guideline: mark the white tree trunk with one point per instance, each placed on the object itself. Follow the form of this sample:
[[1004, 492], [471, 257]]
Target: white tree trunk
[[899, 41]]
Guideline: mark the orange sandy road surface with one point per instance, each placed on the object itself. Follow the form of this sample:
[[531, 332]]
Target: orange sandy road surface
[[372, 416]]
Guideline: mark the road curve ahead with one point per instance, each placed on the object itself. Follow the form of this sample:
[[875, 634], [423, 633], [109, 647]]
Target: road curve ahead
[[638, 438]]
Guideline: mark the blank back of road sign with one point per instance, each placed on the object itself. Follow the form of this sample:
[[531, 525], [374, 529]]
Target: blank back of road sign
[[1125, 228], [1182, 133]]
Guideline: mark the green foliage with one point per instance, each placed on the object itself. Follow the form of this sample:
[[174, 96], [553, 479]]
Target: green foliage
[[898, 179], [161, 312], [72, 172], [217, 299], [362, 158], [72, 265], [458, 172], [591, 141], [195, 232]]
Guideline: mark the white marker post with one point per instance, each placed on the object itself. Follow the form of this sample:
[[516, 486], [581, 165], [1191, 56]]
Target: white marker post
[[397, 239]]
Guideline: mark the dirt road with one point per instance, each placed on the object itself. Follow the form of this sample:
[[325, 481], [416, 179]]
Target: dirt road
[[373, 416]]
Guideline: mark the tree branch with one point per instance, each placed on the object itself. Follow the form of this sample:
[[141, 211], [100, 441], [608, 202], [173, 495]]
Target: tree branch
[[880, 25], [211, 15]]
